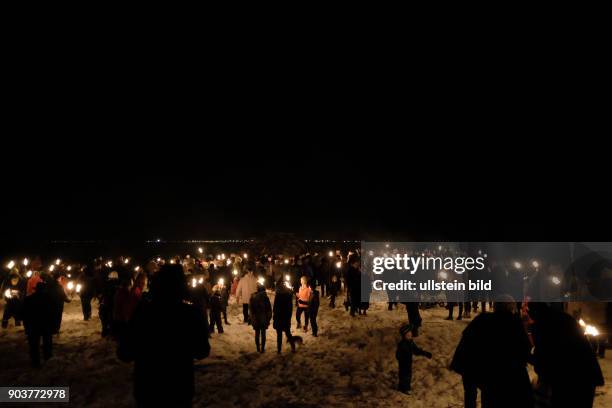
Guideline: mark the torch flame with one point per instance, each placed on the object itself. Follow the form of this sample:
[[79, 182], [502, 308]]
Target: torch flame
[[591, 330]]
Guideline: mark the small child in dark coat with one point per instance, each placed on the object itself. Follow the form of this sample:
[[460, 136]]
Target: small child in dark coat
[[406, 348]]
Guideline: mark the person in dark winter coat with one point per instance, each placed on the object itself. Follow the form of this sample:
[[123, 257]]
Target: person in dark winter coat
[[215, 310], [162, 355], [353, 280], [332, 290], [199, 296], [13, 292], [107, 303], [406, 348], [224, 290], [88, 291], [492, 355], [325, 271], [261, 314], [39, 316], [58, 294], [563, 359], [282, 312], [123, 307], [313, 310]]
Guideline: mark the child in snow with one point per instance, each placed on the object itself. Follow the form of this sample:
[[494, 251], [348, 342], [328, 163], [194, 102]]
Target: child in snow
[[406, 348]]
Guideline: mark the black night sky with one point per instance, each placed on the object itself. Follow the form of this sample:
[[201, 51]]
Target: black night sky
[[151, 165], [103, 189]]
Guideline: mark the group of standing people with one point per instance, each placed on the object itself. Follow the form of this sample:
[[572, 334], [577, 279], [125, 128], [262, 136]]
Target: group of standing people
[[38, 302], [496, 348]]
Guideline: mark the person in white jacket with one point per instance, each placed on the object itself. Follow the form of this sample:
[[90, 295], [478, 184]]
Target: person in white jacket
[[246, 287]]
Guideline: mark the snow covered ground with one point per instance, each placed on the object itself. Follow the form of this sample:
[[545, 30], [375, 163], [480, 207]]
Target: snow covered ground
[[351, 363]]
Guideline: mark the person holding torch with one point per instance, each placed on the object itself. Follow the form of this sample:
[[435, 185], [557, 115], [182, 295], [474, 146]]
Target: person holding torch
[[13, 294]]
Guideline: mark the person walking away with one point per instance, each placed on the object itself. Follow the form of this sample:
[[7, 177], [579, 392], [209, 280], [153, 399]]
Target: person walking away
[[563, 358], [492, 355], [107, 303], [313, 310], [58, 294], [353, 276], [282, 313], [406, 348], [88, 291], [225, 294], [333, 290], [123, 307], [38, 318], [303, 297], [163, 357], [261, 314], [247, 286], [215, 310]]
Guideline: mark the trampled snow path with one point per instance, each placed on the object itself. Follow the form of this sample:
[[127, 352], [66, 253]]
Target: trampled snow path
[[351, 363]]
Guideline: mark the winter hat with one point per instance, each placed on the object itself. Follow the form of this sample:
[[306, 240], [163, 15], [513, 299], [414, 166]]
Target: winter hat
[[405, 329]]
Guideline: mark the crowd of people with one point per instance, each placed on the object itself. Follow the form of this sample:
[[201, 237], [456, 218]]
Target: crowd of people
[[135, 303]]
